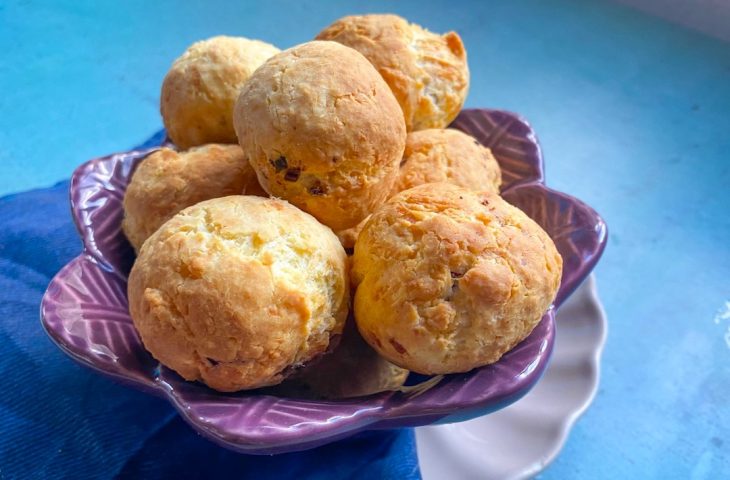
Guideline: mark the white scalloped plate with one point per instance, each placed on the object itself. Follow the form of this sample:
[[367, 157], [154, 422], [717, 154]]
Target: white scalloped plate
[[520, 440]]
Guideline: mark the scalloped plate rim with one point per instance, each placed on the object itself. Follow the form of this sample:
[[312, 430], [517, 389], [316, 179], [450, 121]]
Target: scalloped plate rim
[[381, 414], [243, 444]]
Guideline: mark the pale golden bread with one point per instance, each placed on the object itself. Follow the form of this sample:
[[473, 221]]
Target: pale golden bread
[[449, 279], [322, 130], [202, 85], [427, 72], [447, 155], [238, 291], [167, 181], [440, 155]]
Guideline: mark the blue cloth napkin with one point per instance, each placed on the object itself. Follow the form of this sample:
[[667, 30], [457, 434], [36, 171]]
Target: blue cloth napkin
[[59, 420]]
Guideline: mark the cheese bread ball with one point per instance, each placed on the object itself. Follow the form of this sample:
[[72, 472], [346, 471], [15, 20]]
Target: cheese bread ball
[[447, 155], [353, 369], [427, 72], [167, 181], [449, 279], [440, 155], [239, 291], [202, 85], [322, 130]]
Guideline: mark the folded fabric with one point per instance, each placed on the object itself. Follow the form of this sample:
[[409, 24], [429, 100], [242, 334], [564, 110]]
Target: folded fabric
[[59, 420]]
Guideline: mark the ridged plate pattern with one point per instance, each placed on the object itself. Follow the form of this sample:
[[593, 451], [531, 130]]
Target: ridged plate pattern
[[85, 312]]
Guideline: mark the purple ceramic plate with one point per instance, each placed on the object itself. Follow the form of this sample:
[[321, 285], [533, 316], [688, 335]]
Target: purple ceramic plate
[[84, 311]]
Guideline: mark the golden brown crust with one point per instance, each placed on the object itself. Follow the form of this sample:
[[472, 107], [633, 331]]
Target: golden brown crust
[[322, 130], [200, 89], [167, 181], [353, 369], [235, 291], [449, 279], [447, 155], [440, 155], [427, 72]]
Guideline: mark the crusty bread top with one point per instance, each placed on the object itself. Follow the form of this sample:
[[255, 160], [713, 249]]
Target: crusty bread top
[[447, 155], [236, 291], [427, 72], [167, 181], [322, 130], [449, 279], [201, 87]]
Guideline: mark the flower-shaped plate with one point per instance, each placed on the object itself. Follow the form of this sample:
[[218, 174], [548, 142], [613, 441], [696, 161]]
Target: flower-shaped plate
[[84, 311]]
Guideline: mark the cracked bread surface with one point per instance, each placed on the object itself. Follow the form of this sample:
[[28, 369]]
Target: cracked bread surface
[[448, 279], [239, 291], [427, 72], [440, 155], [167, 181], [447, 155], [202, 85], [323, 131]]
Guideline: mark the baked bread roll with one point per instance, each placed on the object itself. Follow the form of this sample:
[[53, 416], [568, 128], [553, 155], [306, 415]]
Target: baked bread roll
[[449, 279], [322, 130], [440, 155], [239, 291], [427, 72], [167, 181], [202, 85], [353, 369], [447, 155]]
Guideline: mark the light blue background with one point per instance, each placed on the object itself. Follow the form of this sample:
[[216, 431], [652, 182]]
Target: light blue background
[[634, 118]]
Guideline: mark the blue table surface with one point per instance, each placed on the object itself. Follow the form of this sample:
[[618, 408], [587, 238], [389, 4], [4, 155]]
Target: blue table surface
[[634, 118]]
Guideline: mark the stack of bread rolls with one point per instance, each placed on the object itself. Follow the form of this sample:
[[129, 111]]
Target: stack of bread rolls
[[318, 229]]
